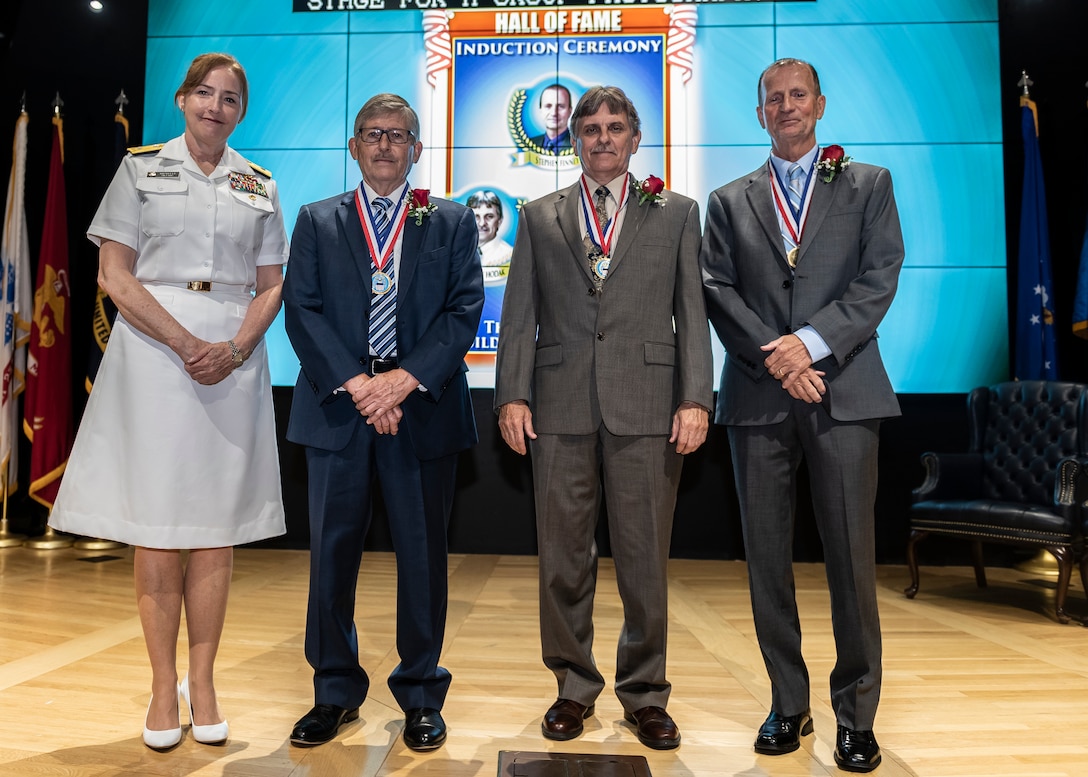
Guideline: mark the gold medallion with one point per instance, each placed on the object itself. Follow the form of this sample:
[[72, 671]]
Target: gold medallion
[[791, 256]]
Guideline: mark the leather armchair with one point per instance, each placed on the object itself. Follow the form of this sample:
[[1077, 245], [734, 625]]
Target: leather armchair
[[1020, 482]]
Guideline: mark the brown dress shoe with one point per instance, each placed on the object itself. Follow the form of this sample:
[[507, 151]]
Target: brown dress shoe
[[655, 728], [563, 720]]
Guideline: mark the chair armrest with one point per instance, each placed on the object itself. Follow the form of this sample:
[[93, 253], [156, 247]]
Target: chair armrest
[[1071, 488], [950, 476]]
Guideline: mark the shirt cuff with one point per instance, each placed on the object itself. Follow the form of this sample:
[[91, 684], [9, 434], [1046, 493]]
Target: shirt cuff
[[817, 348]]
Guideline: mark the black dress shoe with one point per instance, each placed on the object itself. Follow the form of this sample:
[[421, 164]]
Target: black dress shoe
[[563, 720], [424, 729], [781, 734], [856, 751], [654, 728], [320, 724]]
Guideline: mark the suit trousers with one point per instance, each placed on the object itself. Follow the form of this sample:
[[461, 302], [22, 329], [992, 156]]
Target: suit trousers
[[640, 475], [842, 463], [418, 496]]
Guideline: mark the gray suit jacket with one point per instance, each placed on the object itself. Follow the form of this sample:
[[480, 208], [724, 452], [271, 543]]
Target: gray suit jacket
[[847, 272], [641, 345]]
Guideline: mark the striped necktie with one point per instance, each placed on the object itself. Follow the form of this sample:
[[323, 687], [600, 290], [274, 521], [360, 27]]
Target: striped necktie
[[797, 186], [382, 224], [383, 307]]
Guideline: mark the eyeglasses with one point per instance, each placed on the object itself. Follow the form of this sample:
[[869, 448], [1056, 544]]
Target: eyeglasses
[[397, 136]]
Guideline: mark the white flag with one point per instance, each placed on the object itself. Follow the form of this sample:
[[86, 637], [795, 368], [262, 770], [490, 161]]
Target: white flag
[[15, 311]]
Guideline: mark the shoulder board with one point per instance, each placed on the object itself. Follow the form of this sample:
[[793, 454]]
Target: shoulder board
[[138, 150], [262, 170]]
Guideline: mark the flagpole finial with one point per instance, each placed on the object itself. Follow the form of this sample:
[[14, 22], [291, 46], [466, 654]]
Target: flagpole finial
[[1025, 83], [57, 105], [22, 102], [121, 102]]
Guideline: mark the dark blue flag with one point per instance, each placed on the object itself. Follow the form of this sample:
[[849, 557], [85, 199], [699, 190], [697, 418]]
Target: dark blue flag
[[1080, 302], [1036, 352]]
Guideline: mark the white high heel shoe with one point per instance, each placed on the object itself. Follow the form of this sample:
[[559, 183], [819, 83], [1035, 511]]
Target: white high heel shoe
[[164, 739], [214, 734]]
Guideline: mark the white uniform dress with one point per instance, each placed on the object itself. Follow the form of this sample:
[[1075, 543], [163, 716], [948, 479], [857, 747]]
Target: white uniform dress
[[160, 460]]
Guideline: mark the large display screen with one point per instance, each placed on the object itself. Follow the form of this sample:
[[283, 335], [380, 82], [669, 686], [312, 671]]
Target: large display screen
[[910, 86]]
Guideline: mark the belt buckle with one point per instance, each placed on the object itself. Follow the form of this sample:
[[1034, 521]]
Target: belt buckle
[[378, 366], [199, 285]]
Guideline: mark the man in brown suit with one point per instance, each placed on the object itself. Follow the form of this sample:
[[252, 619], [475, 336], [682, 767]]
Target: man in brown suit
[[604, 369]]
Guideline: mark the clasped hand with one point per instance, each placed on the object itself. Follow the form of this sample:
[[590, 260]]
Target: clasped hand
[[790, 363], [379, 398], [209, 363]]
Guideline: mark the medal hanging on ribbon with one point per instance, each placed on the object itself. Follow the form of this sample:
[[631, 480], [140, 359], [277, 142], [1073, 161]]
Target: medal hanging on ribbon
[[381, 252], [794, 219], [600, 234]]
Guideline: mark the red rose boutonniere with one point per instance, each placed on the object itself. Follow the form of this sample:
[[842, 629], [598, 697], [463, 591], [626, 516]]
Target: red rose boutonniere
[[833, 160], [649, 190], [419, 205]]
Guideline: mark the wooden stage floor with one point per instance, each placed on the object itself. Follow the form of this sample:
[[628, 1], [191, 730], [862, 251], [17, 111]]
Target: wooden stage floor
[[977, 681]]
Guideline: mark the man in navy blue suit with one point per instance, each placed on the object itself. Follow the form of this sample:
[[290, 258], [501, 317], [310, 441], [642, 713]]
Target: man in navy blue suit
[[383, 296]]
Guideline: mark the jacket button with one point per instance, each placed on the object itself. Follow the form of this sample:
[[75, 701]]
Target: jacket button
[[600, 335], [591, 291], [786, 284]]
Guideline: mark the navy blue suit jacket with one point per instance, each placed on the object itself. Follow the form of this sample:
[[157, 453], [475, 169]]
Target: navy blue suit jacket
[[326, 297]]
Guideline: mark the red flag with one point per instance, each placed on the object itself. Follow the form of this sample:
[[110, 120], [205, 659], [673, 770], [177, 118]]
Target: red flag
[[47, 418]]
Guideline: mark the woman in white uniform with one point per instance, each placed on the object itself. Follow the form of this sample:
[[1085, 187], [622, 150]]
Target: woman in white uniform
[[177, 447]]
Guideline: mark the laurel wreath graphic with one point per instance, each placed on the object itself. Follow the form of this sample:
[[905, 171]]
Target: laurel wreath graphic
[[517, 128]]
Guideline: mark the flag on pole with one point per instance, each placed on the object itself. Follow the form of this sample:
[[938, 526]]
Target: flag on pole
[[104, 309], [1080, 302], [48, 408], [16, 311], [1036, 343]]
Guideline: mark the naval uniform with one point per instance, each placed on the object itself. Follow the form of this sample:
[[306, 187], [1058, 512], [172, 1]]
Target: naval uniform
[[160, 460]]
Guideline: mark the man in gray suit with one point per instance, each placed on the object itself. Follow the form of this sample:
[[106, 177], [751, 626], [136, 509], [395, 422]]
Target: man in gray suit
[[800, 262], [604, 368]]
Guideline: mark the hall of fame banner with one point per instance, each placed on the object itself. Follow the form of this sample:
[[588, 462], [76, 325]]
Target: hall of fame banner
[[495, 74]]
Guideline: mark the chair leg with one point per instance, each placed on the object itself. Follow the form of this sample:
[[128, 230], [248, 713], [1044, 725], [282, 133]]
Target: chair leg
[[980, 569], [916, 536], [1064, 556], [1084, 569]]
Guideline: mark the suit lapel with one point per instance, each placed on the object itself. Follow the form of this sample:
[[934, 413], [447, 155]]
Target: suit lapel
[[822, 197], [566, 211], [759, 198], [348, 215], [762, 204], [632, 223], [409, 251]]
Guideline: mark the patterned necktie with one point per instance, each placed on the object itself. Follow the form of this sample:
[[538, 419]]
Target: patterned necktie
[[601, 205], [797, 185], [382, 224], [383, 307]]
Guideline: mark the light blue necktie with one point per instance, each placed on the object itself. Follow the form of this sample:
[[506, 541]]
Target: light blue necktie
[[383, 307], [797, 186]]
